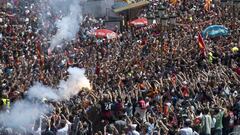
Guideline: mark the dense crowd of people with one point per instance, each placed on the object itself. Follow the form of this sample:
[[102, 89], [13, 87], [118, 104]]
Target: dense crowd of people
[[148, 81]]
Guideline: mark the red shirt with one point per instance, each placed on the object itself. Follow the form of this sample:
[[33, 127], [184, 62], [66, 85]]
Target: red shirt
[[185, 91], [237, 70]]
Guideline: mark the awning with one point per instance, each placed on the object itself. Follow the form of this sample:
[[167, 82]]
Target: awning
[[117, 5], [215, 31], [139, 22], [105, 33], [131, 6]]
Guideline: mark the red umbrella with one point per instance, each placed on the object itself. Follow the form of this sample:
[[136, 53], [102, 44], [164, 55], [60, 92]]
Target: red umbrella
[[139, 22], [105, 33]]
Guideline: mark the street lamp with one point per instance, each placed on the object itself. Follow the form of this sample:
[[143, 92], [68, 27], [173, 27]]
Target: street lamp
[[164, 20], [164, 23], [236, 7], [161, 10], [172, 19], [150, 19]]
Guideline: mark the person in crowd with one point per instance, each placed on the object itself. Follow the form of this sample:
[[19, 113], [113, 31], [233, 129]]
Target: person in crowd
[[187, 130], [206, 122], [149, 80]]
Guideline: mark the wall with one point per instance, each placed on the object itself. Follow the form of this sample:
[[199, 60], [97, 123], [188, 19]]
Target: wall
[[99, 8]]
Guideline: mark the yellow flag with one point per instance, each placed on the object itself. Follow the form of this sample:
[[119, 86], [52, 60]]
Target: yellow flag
[[174, 2]]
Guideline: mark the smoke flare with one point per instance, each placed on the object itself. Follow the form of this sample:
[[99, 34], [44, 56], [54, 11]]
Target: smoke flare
[[23, 113], [69, 25]]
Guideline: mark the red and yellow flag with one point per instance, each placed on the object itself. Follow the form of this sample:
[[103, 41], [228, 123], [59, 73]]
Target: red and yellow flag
[[174, 2], [207, 5], [201, 44]]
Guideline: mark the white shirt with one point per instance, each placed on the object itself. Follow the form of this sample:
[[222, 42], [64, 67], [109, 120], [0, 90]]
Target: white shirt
[[134, 132], [207, 124], [64, 131], [213, 122], [186, 131]]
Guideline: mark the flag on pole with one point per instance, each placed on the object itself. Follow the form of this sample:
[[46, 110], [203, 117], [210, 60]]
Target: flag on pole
[[201, 44], [174, 2], [39, 53], [207, 5]]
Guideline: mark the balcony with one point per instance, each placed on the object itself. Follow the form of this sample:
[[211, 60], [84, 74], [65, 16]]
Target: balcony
[[131, 5]]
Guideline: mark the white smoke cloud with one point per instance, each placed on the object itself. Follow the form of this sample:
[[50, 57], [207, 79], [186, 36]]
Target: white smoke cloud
[[69, 25], [66, 89], [24, 112], [74, 83], [40, 91]]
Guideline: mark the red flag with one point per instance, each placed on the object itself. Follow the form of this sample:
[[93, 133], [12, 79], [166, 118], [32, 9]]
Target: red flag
[[38, 49], [39, 53], [201, 44]]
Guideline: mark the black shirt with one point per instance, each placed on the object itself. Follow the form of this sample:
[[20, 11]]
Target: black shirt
[[106, 106]]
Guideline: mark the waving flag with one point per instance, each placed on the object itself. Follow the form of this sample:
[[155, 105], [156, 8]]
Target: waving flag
[[207, 5], [174, 2], [201, 44]]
